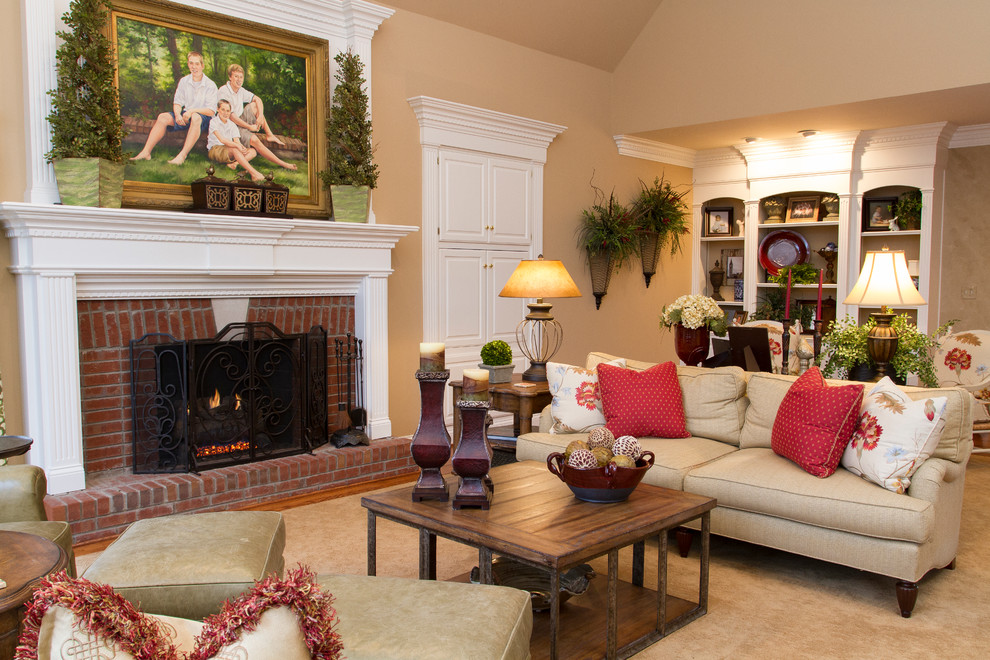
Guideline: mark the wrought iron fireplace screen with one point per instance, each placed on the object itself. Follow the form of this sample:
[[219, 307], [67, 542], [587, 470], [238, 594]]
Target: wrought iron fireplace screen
[[250, 393]]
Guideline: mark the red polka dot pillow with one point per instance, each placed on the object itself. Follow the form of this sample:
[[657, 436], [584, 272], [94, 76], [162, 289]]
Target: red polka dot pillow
[[577, 402], [815, 421], [895, 435], [643, 403]]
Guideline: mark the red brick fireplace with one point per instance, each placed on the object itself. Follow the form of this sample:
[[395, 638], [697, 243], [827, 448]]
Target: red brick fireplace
[[89, 280]]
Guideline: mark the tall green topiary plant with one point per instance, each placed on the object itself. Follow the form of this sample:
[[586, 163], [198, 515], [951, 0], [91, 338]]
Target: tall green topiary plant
[[85, 118], [349, 149]]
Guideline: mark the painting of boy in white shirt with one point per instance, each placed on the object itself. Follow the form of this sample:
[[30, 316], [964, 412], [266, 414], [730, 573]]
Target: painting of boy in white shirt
[[223, 143], [192, 107]]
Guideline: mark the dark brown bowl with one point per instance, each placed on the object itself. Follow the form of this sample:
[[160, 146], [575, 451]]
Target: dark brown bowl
[[604, 484]]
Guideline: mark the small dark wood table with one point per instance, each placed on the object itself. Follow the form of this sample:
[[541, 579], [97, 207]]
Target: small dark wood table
[[25, 559], [14, 445], [535, 519], [521, 398]]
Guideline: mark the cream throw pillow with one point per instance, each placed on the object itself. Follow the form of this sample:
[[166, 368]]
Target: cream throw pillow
[[577, 399], [895, 435]]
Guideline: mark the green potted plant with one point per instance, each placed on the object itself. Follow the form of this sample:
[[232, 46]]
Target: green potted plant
[[907, 210], [844, 350], [608, 236], [496, 357], [351, 172], [86, 128], [661, 218]]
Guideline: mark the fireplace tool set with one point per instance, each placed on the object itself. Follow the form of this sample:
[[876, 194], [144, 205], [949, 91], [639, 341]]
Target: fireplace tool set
[[352, 419]]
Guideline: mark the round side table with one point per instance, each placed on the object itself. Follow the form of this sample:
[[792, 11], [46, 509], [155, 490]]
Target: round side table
[[14, 445], [25, 560]]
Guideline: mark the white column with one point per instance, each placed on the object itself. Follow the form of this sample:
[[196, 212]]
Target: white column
[[371, 324], [50, 377], [38, 27], [431, 242]]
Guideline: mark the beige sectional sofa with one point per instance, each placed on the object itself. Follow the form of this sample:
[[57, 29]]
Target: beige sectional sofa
[[766, 499]]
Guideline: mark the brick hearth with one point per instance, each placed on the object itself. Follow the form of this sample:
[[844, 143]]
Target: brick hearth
[[109, 505]]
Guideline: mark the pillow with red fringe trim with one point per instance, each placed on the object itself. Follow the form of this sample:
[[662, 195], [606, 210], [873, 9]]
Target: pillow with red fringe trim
[[286, 617]]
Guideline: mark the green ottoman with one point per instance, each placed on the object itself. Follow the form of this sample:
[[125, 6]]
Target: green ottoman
[[187, 565]]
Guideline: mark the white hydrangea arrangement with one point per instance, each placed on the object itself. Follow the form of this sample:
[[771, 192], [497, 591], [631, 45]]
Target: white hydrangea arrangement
[[694, 311]]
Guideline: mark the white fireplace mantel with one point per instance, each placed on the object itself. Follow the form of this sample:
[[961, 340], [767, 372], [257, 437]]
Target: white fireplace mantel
[[62, 254]]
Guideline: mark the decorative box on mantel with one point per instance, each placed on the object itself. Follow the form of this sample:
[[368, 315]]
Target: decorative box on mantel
[[212, 194]]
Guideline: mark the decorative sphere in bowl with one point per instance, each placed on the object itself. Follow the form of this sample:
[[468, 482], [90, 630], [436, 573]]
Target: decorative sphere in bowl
[[604, 484]]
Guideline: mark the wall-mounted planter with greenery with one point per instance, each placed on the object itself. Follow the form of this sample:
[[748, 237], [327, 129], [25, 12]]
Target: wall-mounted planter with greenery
[[608, 236]]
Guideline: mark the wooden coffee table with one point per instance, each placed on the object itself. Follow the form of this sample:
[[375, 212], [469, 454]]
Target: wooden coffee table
[[25, 559], [535, 519]]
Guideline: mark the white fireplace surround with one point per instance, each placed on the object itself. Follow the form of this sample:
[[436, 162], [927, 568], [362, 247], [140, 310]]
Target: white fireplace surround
[[62, 254]]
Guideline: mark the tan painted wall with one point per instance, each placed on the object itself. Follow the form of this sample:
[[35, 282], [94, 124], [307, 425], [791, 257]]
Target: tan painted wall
[[413, 55], [766, 56], [965, 240], [12, 185]]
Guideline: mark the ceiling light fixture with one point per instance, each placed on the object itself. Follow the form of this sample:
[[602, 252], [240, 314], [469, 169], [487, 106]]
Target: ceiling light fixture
[[751, 140], [808, 132]]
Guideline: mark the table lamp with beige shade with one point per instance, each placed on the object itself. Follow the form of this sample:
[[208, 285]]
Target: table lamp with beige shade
[[539, 335], [884, 281]]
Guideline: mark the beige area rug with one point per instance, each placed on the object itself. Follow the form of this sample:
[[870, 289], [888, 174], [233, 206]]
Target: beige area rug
[[762, 603]]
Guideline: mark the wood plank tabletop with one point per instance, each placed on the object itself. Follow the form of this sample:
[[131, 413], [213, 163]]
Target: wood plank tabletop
[[535, 517]]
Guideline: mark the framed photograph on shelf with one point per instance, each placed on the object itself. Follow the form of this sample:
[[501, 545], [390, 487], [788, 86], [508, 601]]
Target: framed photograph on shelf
[[718, 221], [802, 209], [877, 213], [158, 43], [733, 267]]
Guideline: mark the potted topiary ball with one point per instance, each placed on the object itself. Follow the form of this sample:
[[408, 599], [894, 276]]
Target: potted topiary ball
[[496, 357], [86, 128]]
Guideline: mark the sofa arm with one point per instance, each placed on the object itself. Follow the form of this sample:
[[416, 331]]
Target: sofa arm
[[928, 480], [22, 493]]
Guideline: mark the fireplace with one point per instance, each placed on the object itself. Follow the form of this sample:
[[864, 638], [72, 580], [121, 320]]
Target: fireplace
[[250, 393]]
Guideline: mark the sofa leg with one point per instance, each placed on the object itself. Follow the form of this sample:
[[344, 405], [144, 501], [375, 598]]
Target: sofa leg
[[684, 539], [907, 594]]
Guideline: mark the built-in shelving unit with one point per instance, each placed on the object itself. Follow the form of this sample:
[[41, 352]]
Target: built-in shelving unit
[[857, 167]]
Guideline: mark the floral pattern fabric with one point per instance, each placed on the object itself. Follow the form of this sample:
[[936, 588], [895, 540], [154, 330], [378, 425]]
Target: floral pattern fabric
[[577, 400], [894, 436]]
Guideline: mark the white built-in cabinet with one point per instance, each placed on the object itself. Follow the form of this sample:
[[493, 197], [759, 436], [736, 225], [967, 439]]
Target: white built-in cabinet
[[482, 215], [855, 166]]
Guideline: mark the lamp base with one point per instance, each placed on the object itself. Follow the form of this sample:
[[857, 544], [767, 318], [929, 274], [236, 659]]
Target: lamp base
[[537, 372], [881, 343]]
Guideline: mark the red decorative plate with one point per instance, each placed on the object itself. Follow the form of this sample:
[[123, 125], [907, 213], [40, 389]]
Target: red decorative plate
[[782, 248]]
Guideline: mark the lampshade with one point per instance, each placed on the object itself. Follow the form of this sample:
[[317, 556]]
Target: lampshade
[[539, 335], [884, 280], [538, 278]]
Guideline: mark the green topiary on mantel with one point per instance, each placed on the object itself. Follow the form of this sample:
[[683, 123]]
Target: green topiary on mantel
[[85, 118], [348, 131]]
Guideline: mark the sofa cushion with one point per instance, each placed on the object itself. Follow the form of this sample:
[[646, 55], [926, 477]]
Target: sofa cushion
[[642, 403], [577, 400], [766, 391], [383, 617], [894, 436], [714, 399], [758, 481], [674, 457], [815, 421]]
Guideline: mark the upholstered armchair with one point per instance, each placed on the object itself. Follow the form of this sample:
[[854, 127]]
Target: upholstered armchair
[[963, 358], [22, 507]]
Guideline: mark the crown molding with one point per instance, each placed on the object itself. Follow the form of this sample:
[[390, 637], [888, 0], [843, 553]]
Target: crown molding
[[977, 135], [659, 152]]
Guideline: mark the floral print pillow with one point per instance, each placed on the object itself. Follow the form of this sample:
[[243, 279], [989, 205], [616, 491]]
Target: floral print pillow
[[577, 400], [963, 358], [895, 435]]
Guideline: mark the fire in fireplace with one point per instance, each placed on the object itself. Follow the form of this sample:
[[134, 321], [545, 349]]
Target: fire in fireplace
[[250, 393]]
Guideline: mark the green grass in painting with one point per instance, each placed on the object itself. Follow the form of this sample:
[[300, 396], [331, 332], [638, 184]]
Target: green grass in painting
[[159, 170]]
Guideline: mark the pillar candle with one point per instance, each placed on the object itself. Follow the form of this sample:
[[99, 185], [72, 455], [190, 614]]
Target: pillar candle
[[818, 311], [787, 299], [474, 386], [431, 357]]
